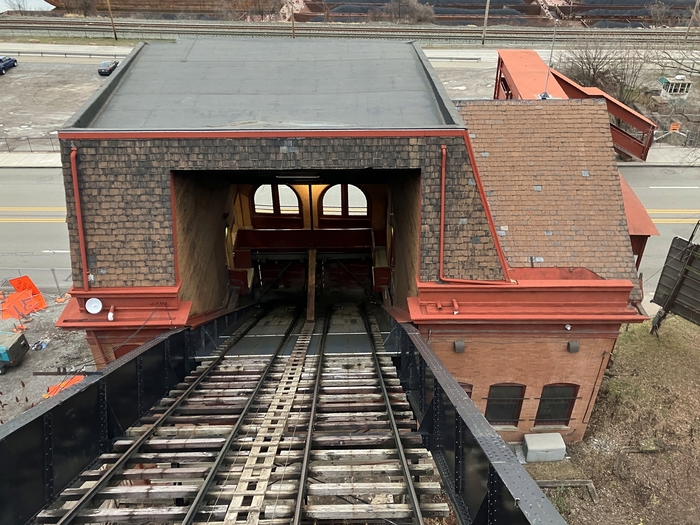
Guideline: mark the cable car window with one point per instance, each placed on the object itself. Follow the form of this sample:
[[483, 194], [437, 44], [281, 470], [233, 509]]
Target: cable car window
[[344, 200], [357, 202], [289, 202], [276, 199], [332, 201], [263, 199]]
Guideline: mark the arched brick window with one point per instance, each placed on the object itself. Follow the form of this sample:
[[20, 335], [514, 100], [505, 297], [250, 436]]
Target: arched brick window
[[556, 404], [504, 404]]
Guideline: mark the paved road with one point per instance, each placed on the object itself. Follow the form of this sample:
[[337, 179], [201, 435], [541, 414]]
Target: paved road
[[33, 231], [672, 198]]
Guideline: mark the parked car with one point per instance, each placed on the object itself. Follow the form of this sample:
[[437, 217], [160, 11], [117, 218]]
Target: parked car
[[107, 67], [6, 63]]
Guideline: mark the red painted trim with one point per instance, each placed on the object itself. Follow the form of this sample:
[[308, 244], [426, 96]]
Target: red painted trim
[[442, 224], [133, 291], [172, 206], [247, 134], [104, 359], [79, 217]]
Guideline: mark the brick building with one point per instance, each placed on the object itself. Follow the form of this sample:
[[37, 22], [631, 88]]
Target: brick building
[[188, 193]]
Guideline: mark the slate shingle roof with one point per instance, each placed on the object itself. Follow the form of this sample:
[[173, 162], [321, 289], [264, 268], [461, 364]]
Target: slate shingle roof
[[550, 177]]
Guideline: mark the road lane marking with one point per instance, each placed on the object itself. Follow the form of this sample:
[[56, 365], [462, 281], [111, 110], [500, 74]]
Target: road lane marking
[[674, 221], [672, 212], [32, 208], [674, 187], [55, 251], [32, 219]]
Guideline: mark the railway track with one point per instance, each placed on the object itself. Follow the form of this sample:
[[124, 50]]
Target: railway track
[[283, 425], [151, 29]]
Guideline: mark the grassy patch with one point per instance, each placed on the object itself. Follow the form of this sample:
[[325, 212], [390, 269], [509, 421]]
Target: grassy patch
[[621, 390], [559, 498]]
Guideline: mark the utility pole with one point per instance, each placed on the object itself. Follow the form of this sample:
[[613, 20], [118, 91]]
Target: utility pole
[[291, 14], [486, 19], [692, 17], [114, 30]]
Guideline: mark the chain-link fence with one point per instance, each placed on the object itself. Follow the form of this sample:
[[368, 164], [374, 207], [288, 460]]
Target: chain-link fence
[[48, 280], [30, 145], [687, 135]]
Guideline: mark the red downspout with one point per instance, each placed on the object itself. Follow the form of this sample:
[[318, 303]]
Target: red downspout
[[79, 216], [442, 228]]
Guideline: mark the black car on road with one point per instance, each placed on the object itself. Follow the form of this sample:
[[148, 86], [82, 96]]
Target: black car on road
[[6, 63], [107, 67]]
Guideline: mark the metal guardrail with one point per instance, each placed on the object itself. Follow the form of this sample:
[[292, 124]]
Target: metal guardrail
[[46, 447], [30, 145], [62, 278], [482, 477], [65, 55]]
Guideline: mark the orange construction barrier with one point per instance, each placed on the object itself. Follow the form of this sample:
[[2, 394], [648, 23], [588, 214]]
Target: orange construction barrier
[[26, 300], [59, 387]]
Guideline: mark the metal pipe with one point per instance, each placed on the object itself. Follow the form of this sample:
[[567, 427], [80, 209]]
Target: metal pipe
[[442, 232], [79, 217]]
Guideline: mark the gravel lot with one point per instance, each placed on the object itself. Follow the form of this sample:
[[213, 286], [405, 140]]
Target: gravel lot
[[41, 94], [19, 388]]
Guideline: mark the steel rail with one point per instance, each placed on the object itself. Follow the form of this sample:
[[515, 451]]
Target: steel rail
[[213, 471], [415, 500], [107, 476], [312, 417]]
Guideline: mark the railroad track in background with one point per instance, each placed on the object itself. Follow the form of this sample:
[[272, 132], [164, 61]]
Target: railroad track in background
[[152, 29], [307, 432]]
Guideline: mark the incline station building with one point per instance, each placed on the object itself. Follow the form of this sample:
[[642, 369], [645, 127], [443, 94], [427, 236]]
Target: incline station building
[[204, 173]]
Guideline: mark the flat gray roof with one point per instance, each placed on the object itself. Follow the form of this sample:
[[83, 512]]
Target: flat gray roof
[[271, 84]]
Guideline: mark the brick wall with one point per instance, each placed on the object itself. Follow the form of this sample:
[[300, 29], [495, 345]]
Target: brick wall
[[534, 361], [125, 193]]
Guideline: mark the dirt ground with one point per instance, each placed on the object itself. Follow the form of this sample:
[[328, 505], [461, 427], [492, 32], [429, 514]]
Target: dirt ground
[[19, 388], [642, 448]]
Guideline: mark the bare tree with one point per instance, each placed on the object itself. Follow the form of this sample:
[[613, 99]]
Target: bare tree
[[659, 13], [82, 7], [19, 6], [410, 11], [613, 68], [586, 62], [676, 57]]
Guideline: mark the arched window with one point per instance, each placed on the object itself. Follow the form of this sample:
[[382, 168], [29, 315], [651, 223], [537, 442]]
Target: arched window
[[504, 403], [556, 404], [344, 200], [275, 199], [262, 200]]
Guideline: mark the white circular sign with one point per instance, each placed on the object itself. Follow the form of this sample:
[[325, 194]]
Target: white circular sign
[[94, 305]]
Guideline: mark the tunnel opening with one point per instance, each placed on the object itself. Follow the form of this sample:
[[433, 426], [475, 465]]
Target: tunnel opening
[[247, 236]]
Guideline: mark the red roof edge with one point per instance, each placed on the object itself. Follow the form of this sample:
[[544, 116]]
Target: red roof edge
[[638, 220], [535, 300], [131, 308]]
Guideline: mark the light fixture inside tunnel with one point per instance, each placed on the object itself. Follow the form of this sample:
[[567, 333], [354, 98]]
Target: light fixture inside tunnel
[[297, 177]]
